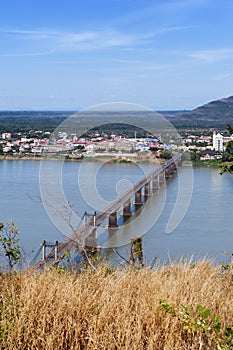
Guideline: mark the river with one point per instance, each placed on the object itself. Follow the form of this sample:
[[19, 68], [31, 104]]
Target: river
[[206, 229]]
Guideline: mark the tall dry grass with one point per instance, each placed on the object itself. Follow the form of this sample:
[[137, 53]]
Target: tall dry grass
[[120, 310]]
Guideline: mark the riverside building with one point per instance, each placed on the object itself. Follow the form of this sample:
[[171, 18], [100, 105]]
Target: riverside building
[[217, 142]]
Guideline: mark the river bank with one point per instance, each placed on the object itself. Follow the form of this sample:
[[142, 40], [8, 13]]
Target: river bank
[[142, 159], [214, 163], [139, 159]]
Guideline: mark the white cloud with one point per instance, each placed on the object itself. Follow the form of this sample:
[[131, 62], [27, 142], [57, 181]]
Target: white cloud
[[211, 56], [86, 40], [95, 40], [50, 41]]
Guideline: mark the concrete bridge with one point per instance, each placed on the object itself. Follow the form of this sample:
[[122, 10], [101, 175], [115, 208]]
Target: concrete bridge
[[85, 236]]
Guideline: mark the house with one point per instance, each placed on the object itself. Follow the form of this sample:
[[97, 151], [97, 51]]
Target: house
[[210, 154]]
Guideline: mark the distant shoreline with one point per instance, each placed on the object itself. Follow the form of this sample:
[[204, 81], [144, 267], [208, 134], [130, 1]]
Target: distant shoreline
[[212, 163], [142, 160]]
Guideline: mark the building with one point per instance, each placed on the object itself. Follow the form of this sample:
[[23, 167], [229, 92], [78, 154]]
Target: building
[[217, 142], [210, 154], [6, 136]]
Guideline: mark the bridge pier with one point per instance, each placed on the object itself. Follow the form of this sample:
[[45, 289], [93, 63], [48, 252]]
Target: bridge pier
[[167, 173], [172, 169], [162, 177], [127, 209], [91, 240], [92, 220], [147, 189], [87, 234], [155, 183], [138, 197], [112, 220]]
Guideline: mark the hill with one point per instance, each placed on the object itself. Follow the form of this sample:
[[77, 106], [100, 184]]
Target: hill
[[215, 114], [15, 121]]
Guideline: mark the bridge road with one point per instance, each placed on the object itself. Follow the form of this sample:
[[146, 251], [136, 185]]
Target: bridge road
[[78, 237]]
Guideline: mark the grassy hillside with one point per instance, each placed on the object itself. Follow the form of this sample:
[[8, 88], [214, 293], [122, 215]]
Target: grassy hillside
[[215, 114], [129, 309]]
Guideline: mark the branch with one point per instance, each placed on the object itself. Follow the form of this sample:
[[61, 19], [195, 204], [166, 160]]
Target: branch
[[121, 256], [88, 259]]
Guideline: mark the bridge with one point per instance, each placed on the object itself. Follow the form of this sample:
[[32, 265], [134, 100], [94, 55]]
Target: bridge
[[85, 236]]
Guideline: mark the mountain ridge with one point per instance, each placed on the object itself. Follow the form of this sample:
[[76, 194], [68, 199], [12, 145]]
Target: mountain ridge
[[213, 114]]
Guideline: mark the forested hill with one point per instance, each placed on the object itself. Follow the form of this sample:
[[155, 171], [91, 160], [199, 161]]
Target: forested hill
[[15, 121], [214, 114]]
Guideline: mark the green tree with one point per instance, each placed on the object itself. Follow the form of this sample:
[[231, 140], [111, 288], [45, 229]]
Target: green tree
[[166, 154], [10, 244], [227, 165], [195, 156]]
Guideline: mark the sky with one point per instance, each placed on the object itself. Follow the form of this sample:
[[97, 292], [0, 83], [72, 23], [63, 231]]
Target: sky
[[73, 54]]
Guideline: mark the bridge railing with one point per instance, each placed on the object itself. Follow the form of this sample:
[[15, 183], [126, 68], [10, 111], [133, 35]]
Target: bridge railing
[[79, 235], [131, 191]]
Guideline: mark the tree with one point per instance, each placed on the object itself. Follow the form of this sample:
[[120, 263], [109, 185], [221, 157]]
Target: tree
[[136, 253], [166, 155], [227, 165], [10, 244]]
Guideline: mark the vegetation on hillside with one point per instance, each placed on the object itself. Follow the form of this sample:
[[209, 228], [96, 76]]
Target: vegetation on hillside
[[227, 164], [29, 120], [214, 114], [183, 306]]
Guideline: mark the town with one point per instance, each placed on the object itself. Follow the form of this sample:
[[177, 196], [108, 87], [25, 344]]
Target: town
[[40, 143]]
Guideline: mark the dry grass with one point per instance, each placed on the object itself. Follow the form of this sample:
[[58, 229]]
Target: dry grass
[[111, 311]]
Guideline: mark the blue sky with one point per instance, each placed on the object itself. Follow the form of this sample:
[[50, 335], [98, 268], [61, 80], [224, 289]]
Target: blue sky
[[71, 54]]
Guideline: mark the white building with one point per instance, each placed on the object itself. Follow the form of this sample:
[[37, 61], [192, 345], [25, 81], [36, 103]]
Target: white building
[[6, 135], [217, 142]]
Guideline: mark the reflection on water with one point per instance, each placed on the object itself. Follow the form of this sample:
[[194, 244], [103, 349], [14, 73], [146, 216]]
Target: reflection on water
[[206, 229]]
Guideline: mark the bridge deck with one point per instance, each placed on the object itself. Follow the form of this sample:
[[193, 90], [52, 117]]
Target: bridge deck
[[78, 236]]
